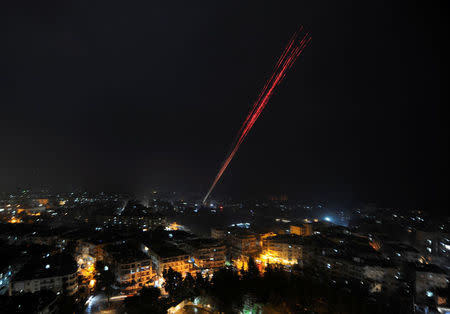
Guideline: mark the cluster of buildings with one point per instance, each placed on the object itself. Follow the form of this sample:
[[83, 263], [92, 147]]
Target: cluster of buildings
[[276, 247], [65, 262], [132, 267], [345, 257], [57, 273], [382, 251], [100, 210]]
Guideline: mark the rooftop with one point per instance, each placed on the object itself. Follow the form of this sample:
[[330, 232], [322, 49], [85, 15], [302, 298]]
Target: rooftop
[[125, 253], [400, 247], [165, 249], [287, 238], [27, 302], [47, 266], [204, 243], [429, 268]]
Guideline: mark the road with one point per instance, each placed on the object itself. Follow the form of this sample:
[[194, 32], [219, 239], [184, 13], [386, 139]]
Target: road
[[98, 303]]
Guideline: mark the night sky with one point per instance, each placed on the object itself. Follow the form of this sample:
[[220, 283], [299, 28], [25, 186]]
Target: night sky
[[124, 96]]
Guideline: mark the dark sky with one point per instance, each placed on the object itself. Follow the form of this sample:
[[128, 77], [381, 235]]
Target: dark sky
[[118, 95]]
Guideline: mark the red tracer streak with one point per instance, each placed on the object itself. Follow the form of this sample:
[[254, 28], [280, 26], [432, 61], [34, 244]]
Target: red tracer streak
[[287, 59]]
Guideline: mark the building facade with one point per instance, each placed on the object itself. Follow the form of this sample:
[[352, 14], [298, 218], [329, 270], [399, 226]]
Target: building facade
[[55, 273]]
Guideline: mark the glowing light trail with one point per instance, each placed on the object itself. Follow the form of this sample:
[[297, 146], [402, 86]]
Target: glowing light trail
[[293, 49]]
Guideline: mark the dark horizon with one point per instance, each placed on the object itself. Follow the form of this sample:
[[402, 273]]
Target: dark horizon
[[137, 96]]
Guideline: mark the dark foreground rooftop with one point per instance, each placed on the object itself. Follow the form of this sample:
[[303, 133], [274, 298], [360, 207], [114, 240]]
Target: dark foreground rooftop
[[47, 266], [28, 302]]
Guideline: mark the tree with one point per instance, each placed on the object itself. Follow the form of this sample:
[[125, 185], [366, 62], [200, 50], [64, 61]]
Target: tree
[[71, 247], [251, 275], [148, 301], [105, 278], [188, 286], [201, 284], [173, 283], [273, 284], [149, 294], [227, 288]]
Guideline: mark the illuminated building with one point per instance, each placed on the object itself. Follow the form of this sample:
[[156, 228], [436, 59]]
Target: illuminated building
[[304, 230], [243, 242], [263, 236], [93, 244], [282, 249], [429, 278], [376, 275], [91, 248], [165, 256], [15, 220], [434, 245], [56, 273], [132, 267], [173, 227], [206, 253], [134, 274], [217, 233]]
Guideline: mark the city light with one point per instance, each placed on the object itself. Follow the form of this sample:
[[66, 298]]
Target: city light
[[173, 227], [15, 220], [269, 257]]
